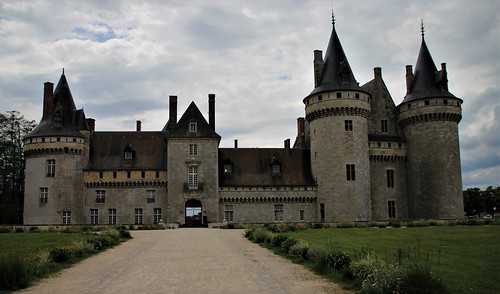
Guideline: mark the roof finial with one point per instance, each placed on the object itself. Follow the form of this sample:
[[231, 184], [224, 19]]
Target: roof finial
[[333, 17], [422, 27], [63, 71]]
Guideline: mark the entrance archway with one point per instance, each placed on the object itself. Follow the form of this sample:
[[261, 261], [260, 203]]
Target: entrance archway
[[193, 213]]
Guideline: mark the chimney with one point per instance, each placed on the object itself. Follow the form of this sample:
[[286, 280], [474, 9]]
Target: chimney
[[138, 126], [211, 111], [409, 79], [444, 77], [300, 126], [48, 98], [377, 72], [235, 143], [287, 144], [172, 119], [318, 66], [91, 124]]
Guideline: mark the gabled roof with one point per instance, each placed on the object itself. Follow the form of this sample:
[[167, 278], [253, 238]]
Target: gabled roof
[[428, 82], [181, 130], [63, 118], [337, 73], [107, 151], [252, 167]]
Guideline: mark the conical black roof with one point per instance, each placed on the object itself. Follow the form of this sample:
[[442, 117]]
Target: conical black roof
[[63, 118], [428, 82], [337, 73]]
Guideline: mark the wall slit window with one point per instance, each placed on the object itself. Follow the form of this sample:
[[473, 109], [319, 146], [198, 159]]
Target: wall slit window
[[278, 212], [44, 195], [51, 168], [94, 217], [350, 171]]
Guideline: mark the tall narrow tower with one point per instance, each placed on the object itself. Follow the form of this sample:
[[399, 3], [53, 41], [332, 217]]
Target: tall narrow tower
[[56, 152], [337, 111], [429, 116]]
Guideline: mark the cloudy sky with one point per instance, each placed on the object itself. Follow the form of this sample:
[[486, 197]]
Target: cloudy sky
[[124, 58]]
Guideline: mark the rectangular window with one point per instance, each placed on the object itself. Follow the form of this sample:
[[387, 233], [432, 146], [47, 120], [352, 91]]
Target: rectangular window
[[157, 215], [143, 174], [193, 149], [228, 168], [100, 196], [276, 168], [44, 195], [66, 217], [157, 175], [384, 126], [278, 212], [348, 125], [129, 174], [193, 127], [301, 215], [228, 213], [128, 155], [101, 175], [391, 208], [51, 168], [339, 95], [114, 175], [151, 195], [390, 178], [94, 218], [193, 177], [322, 211], [350, 172], [112, 216], [138, 216]]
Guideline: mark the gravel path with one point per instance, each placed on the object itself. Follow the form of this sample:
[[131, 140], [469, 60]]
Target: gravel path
[[186, 261]]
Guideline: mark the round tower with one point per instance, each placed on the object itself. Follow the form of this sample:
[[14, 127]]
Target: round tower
[[56, 152], [337, 111], [429, 116]]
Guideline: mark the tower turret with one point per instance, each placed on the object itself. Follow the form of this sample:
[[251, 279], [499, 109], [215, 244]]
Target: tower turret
[[429, 116], [337, 111], [56, 152]]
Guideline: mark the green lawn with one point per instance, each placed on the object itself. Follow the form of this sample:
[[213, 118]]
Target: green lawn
[[466, 258], [24, 244]]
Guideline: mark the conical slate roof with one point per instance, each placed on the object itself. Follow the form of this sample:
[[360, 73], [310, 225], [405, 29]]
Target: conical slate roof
[[337, 73], [63, 119], [428, 82]]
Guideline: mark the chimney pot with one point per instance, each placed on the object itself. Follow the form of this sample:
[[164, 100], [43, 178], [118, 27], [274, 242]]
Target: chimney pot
[[409, 79], [48, 98], [91, 124], [235, 143], [300, 126], [138, 126], [172, 119], [287, 144], [377, 71], [211, 111]]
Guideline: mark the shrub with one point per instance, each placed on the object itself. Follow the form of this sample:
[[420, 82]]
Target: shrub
[[34, 229], [314, 253], [82, 249], [249, 232], [337, 260], [318, 226], [19, 230], [417, 280], [14, 272], [113, 234], [346, 225], [299, 249], [395, 224], [72, 229], [287, 244], [60, 254], [261, 235], [366, 263], [385, 279], [278, 239], [124, 234], [4, 230]]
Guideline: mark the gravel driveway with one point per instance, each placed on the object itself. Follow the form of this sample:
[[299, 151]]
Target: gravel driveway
[[186, 261]]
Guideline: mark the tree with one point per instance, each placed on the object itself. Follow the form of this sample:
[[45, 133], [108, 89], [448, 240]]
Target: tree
[[477, 201], [13, 128]]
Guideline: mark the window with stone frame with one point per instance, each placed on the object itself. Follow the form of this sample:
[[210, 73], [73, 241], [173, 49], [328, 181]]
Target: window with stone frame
[[138, 216], [229, 213], [100, 196], [350, 171], [151, 196], [193, 150], [66, 217], [51, 168], [391, 208], [44, 195], [112, 216], [390, 178], [278, 212], [384, 126], [193, 127], [301, 215], [348, 125], [193, 177], [94, 216], [156, 215]]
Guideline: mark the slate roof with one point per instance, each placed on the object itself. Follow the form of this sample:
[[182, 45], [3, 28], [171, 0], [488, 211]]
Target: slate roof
[[253, 167], [337, 73], [63, 119], [192, 114], [107, 151], [428, 82]]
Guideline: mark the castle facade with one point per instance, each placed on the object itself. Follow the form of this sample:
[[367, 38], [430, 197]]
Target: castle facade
[[357, 157]]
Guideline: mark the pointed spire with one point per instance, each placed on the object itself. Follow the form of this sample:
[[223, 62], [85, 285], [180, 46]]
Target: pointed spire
[[336, 73], [422, 28]]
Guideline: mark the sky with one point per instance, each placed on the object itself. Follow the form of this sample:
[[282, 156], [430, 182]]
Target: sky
[[123, 59]]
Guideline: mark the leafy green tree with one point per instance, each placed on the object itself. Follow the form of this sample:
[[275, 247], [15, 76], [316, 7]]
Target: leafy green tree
[[473, 203], [491, 199], [13, 128]]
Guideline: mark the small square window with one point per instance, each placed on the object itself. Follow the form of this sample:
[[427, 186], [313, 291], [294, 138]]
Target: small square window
[[100, 196], [445, 102], [320, 97], [193, 127], [339, 95], [128, 155], [426, 102], [348, 125], [151, 196], [357, 95]]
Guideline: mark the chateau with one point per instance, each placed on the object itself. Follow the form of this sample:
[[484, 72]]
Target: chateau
[[357, 157]]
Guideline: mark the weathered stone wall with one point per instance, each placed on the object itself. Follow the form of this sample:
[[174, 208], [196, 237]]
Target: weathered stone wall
[[434, 172]]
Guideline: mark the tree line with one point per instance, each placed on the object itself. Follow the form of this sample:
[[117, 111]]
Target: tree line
[[478, 202]]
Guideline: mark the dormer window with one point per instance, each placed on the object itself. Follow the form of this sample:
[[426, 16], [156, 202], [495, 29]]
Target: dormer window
[[193, 127], [128, 153], [228, 166], [275, 166]]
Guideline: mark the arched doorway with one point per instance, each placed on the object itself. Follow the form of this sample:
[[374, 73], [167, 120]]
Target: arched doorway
[[193, 213]]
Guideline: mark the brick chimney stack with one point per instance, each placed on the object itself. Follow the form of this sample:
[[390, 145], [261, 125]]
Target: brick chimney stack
[[172, 119], [138, 126], [211, 111], [48, 98]]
